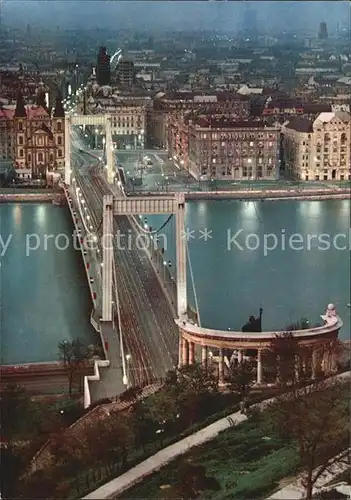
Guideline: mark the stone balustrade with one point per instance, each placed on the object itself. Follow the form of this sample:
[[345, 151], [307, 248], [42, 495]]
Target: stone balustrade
[[318, 345]]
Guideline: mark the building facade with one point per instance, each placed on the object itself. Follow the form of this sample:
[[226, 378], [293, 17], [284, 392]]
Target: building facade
[[103, 69], [318, 149], [6, 134], [125, 73], [216, 103], [35, 140], [233, 150], [128, 125]]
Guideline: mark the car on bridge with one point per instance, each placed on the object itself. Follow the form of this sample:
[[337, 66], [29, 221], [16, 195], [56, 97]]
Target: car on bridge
[[148, 161]]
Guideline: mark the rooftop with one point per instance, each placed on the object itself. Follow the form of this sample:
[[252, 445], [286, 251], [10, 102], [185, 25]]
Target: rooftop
[[300, 124], [32, 111], [224, 123], [197, 96]]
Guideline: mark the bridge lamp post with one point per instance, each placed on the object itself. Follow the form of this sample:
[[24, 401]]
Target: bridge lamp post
[[126, 376], [96, 136]]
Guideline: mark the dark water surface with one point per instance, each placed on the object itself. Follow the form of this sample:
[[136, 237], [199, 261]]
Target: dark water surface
[[44, 295]]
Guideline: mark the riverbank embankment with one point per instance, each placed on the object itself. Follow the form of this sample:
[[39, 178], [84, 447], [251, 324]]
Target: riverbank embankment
[[281, 194], [29, 196]]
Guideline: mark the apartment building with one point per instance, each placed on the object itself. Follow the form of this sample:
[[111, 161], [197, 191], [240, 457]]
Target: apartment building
[[216, 103], [232, 150], [318, 149], [6, 134]]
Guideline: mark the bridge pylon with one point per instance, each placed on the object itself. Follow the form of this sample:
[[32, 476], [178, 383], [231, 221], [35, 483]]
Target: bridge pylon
[[172, 204], [92, 120]]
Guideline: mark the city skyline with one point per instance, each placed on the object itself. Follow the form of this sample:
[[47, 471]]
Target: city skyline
[[151, 15]]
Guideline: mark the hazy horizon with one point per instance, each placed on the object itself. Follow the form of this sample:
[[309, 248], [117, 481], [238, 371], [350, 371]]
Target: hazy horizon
[[145, 15]]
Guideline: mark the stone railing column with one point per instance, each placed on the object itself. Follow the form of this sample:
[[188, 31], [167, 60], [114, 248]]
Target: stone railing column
[[333, 362], [221, 368], [185, 356], [297, 368], [314, 363], [180, 351], [240, 356], [259, 366], [191, 353], [204, 355]]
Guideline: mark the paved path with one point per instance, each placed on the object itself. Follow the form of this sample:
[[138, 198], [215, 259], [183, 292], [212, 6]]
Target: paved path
[[296, 489], [117, 486]]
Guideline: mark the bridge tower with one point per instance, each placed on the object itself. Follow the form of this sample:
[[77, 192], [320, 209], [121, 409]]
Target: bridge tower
[[93, 120], [172, 204]]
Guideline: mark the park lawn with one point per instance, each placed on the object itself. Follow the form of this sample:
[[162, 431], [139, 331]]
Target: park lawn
[[245, 461]]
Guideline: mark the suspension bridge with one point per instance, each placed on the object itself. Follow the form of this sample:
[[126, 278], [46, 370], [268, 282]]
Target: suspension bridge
[[134, 309], [144, 332]]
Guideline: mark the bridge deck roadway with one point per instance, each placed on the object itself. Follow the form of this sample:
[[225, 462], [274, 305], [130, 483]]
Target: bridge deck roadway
[[110, 383], [149, 332]]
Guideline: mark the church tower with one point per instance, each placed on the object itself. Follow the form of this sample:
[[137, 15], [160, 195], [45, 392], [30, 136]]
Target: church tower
[[58, 130]]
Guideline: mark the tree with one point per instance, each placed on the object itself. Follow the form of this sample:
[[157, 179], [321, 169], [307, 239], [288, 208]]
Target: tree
[[12, 466], [285, 355], [242, 377], [162, 410], [68, 451], [315, 420], [142, 424], [109, 438], [193, 387], [191, 482], [73, 356], [121, 436], [14, 404]]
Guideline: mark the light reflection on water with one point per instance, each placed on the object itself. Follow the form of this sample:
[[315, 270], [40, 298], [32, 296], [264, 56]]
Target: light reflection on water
[[232, 284], [44, 296]]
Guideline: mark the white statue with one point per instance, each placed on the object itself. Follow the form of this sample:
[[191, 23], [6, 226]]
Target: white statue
[[331, 312]]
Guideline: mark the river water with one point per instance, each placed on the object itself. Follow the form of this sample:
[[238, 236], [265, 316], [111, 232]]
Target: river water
[[234, 278], [45, 297]]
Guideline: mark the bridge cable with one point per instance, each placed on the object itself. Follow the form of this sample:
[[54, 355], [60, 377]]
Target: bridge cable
[[99, 226], [154, 231], [193, 283]]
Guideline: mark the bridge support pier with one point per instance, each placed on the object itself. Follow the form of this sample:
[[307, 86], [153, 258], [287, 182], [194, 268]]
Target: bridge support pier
[[68, 150], [182, 302], [107, 258], [91, 120], [109, 151]]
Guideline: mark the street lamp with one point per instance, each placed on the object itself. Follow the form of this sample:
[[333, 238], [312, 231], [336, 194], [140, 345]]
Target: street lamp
[[126, 375]]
